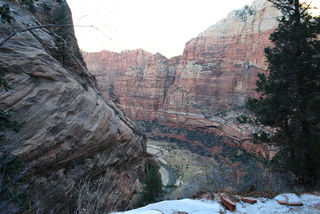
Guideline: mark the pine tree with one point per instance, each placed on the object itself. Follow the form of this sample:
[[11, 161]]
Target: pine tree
[[152, 190], [289, 102]]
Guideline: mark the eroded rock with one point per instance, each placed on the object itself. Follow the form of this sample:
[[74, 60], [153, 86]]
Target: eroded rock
[[84, 152], [230, 205], [217, 72], [249, 200]]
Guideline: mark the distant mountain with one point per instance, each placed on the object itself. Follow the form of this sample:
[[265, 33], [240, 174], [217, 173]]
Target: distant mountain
[[217, 72]]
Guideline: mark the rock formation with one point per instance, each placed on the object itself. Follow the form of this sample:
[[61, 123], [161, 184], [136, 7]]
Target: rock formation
[[85, 154], [116, 64], [217, 72]]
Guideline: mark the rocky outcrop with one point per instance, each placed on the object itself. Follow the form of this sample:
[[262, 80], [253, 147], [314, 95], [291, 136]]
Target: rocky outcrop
[[116, 64], [85, 154], [217, 72], [226, 58]]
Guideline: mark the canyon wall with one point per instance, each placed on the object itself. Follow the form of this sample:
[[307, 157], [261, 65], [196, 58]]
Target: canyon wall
[[216, 72], [84, 153]]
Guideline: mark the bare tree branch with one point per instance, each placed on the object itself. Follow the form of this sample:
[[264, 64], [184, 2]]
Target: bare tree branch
[[48, 26], [29, 29], [39, 27]]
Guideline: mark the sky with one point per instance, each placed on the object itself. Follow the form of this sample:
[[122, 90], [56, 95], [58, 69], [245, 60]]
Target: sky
[[162, 26]]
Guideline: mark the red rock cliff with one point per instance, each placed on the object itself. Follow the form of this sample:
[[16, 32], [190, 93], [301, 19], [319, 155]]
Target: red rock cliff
[[217, 72], [86, 156]]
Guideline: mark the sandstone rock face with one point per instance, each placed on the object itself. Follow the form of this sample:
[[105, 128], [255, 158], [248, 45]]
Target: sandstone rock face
[[84, 152], [116, 64], [217, 72]]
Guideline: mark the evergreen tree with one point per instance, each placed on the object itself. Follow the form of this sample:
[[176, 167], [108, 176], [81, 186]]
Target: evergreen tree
[[289, 102], [152, 190]]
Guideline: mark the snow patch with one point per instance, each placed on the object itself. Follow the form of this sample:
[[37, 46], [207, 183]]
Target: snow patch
[[311, 205], [186, 205]]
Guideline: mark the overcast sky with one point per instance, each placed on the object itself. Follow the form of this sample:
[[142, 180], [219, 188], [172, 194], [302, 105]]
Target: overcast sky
[[154, 25]]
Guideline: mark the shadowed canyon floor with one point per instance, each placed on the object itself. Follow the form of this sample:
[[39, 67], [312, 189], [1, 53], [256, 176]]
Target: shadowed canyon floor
[[178, 166]]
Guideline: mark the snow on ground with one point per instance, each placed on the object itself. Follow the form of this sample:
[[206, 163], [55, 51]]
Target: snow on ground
[[203, 206], [187, 205], [270, 206]]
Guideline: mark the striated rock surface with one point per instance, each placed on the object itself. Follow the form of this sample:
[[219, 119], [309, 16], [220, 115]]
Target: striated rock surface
[[217, 72], [116, 64], [86, 155]]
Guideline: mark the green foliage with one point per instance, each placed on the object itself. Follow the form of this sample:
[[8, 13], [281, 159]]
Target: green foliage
[[290, 96], [244, 119], [152, 190], [5, 14], [245, 12], [61, 35]]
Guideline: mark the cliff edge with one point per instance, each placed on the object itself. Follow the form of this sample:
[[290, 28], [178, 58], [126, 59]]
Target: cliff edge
[[85, 154]]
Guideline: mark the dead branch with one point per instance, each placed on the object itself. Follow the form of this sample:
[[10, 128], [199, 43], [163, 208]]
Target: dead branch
[[38, 27], [29, 29]]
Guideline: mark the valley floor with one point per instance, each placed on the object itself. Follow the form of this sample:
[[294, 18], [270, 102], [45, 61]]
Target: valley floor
[[178, 166]]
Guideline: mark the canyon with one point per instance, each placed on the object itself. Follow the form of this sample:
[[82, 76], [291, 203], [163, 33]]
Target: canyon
[[215, 74], [84, 154], [84, 133]]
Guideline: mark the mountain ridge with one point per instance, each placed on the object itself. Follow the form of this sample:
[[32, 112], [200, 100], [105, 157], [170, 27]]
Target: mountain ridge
[[216, 72]]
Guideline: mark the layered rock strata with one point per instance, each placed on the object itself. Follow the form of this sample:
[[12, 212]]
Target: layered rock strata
[[217, 72], [85, 154]]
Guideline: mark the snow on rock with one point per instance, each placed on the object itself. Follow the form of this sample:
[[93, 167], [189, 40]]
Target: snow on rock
[[311, 205], [289, 199], [228, 203], [249, 200]]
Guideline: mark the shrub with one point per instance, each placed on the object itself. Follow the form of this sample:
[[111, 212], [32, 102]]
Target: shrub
[[245, 12], [5, 14], [12, 175]]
